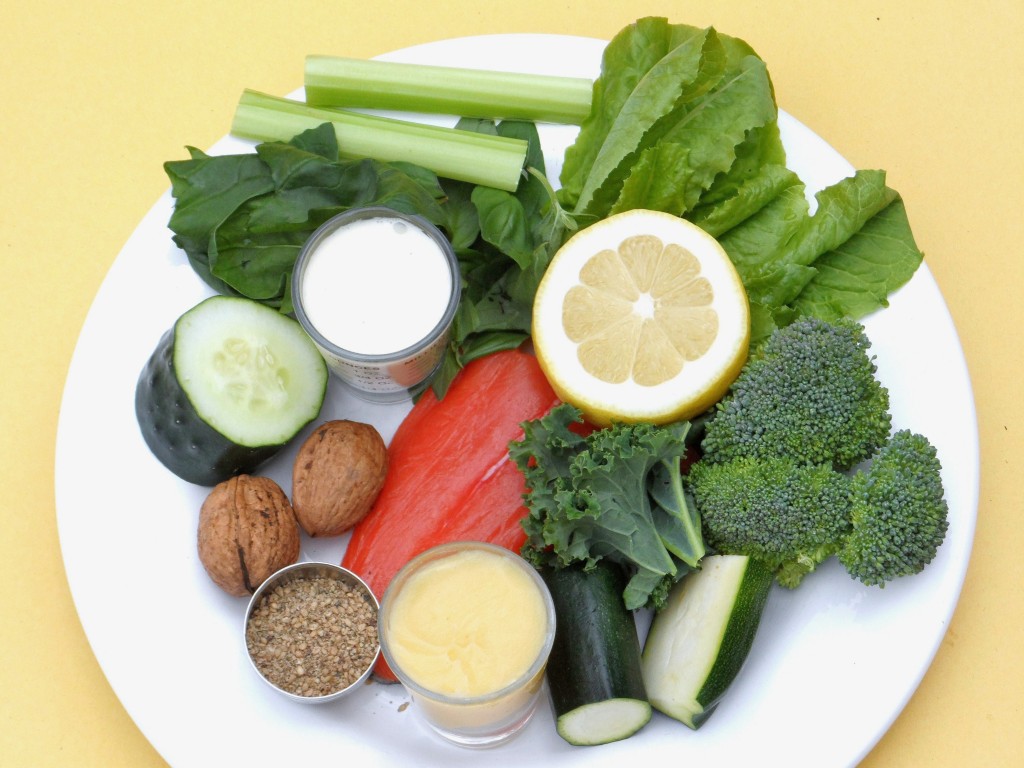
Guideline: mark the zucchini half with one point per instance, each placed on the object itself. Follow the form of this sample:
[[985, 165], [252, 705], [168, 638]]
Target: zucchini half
[[228, 386], [594, 675], [700, 640]]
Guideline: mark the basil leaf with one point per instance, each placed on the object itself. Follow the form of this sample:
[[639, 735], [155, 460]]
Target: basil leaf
[[503, 223]]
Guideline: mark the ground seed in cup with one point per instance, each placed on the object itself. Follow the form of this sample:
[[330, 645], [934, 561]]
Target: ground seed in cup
[[312, 636]]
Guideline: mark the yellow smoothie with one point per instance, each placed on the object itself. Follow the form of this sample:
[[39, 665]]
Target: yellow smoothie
[[468, 624], [468, 627]]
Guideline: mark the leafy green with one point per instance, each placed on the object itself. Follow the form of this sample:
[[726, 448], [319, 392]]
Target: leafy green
[[841, 261], [504, 242], [242, 219], [684, 120], [615, 493], [671, 110], [856, 277]]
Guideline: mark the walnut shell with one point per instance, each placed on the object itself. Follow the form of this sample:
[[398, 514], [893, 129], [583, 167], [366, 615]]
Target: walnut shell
[[338, 473], [247, 531]]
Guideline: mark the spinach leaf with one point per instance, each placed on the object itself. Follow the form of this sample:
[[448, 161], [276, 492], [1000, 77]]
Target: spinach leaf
[[242, 219], [208, 190]]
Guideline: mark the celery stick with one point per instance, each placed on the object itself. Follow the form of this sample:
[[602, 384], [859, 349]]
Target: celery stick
[[334, 81], [493, 161]]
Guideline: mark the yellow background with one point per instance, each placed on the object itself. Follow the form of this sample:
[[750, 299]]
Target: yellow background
[[95, 96]]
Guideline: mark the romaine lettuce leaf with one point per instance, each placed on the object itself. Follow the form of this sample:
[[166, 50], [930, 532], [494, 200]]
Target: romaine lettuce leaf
[[627, 59], [856, 278], [673, 111], [730, 203], [842, 260]]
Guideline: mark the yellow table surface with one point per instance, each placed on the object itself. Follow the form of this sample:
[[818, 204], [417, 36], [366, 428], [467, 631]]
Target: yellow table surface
[[96, 96]]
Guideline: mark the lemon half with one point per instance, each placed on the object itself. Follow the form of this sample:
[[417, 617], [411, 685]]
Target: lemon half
[[641, 317]]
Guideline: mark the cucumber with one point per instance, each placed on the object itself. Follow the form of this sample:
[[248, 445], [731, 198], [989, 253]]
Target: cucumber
[[699, 641], [594, 675], [229, 385]]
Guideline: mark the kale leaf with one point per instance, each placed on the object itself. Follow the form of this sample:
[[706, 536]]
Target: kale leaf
[[614, 493]]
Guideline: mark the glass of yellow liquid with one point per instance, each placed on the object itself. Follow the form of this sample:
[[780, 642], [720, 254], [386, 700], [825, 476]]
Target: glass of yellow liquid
[[467, 628]]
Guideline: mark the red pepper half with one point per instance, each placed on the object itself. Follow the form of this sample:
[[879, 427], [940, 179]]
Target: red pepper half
[[450, 477]]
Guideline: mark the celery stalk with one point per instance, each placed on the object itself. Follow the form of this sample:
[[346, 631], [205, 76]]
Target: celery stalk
[[493, 161], [334, 81]]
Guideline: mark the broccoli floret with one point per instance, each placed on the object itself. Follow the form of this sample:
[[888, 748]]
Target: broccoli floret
[[809, 393], [898, 512], [882, 521], [789, 516]]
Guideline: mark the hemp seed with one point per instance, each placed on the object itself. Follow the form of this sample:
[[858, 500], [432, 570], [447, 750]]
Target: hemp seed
[[312, 636]]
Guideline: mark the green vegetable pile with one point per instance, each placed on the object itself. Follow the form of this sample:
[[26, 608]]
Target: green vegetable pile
[[681, 119]]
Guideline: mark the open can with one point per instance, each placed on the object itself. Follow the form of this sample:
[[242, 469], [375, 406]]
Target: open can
[[377, 291]]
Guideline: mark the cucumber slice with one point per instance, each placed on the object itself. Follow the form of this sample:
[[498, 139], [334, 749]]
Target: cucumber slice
[[226, 388], [700, 640], [594, 676]]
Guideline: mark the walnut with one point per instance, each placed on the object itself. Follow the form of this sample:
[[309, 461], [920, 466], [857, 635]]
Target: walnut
[[247, 531], [338, 473]]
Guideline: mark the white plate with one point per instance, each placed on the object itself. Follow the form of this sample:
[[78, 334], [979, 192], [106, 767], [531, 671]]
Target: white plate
[[832, 666]]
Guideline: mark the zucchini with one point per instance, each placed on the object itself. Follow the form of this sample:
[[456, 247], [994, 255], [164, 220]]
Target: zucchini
[[228, 386], [594, 676], [699, 641]]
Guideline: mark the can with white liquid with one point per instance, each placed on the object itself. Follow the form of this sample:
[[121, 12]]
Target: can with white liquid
[[377, 291]]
